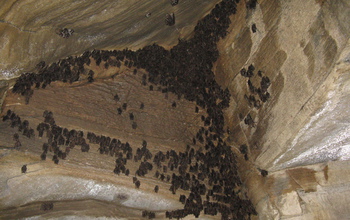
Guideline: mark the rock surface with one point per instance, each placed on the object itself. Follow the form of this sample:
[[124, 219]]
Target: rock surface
[[303, 47], [300, 135], [29, 28]]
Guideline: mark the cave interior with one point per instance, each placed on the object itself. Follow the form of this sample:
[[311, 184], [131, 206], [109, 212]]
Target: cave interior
[[235, 110]]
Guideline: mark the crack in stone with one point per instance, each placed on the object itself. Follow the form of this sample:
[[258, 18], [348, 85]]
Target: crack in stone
[[15, 26]]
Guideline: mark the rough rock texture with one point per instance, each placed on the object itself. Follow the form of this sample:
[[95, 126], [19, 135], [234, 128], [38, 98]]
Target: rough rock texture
[[301, 51], [303, 47], [300, 135], [28, 28], [89, 176]]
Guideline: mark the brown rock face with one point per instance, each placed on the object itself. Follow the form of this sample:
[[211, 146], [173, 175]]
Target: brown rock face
[[303, 49], [256, 109]]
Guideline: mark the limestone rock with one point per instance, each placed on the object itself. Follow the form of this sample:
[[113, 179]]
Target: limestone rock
[[298, 127]]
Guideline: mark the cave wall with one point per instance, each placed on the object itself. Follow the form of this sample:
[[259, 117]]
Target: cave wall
[[28, 28], [302, 130], [300, 133], [301, 52]]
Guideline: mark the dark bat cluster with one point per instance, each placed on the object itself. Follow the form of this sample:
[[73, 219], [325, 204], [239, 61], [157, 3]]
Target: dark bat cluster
[[120, 166], [124, 107], [205, 173], [46, 206], [254, 28], [18, 144], [113, 147], [170, 19], [261, 92], [68, 70], [23, 127], [116, 98], [148, 214], [174, 2], [264, 173], [249, 72], [251, 4], [24, 169], [110, 146], [210, 172], [65, 32], [156, 189], [60, 140], [91, 76], [186, 71], [248, 120], [253, 101], [143, 152], [244, 150], [136, 182]]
